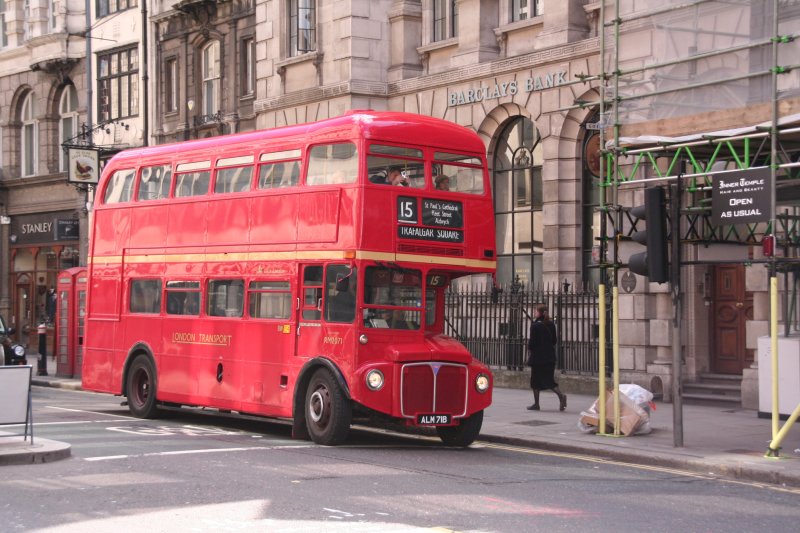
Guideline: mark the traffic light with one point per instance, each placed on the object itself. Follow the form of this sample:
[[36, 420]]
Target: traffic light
[[653, 263]]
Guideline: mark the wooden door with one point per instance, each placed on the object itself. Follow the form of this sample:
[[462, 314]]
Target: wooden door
[[733, 307]]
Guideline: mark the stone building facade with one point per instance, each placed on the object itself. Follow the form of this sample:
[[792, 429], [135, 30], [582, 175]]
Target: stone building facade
[[43, 100]]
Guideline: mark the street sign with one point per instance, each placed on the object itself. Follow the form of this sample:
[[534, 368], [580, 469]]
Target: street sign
[[742, 196]]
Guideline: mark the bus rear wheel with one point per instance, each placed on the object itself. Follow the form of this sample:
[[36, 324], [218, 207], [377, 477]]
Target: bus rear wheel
[[463, 434], [141, 388], [327, 410]]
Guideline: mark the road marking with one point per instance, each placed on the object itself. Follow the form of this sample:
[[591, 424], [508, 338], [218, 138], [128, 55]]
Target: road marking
[[190, 452], [652, 468], [85, 411]]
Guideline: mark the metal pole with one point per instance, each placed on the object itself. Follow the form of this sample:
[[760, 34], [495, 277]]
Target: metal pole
[[601, 393], [773, 282], [677, 353]]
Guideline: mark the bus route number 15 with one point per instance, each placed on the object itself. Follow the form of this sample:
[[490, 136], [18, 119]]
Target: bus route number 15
[[407, 210]]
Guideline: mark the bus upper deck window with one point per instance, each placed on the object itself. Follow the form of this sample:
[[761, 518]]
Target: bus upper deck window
[[232, 176], [120, 187], [279, 169], [154, 182], [384, 167], [457, 172], [330, 164], [192, 184]]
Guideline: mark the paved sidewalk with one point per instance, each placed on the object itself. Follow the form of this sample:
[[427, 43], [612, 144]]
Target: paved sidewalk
[[720, 441]]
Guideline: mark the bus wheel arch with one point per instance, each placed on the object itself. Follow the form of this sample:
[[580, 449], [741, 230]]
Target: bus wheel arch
[[331, 389], [464, 433], [139, 382]]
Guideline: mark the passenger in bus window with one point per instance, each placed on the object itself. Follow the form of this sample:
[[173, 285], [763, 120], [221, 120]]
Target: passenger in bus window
[[442, 183], [396, 177]]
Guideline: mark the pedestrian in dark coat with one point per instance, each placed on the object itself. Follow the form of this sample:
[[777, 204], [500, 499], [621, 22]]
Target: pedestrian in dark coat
[[542, 358]]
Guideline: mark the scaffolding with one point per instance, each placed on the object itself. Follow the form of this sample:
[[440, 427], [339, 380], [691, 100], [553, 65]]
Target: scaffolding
[[690, 89]]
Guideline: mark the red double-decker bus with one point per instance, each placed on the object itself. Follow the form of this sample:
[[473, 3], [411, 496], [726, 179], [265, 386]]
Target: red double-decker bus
[[297, 272]]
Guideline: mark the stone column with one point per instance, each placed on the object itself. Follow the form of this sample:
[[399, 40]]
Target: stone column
[[564, 22], [405, 30], [477, 42]]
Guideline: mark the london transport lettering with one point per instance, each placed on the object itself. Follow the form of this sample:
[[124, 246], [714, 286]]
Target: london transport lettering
[[201, 338]]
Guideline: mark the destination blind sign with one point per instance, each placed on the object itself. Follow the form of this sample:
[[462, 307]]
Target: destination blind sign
[[741, 197], [444, 217]]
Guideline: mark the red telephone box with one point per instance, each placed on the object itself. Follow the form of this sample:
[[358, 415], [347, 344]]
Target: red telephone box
[[70, 321]]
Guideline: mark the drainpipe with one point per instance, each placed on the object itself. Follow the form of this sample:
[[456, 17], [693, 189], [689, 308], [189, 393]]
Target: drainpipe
[[145, 78]]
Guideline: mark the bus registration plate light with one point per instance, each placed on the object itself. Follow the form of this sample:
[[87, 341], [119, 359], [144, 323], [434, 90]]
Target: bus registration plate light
[[434, 420]]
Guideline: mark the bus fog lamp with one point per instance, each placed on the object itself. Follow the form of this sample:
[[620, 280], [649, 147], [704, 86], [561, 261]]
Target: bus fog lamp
[[375, 380], [482, 383]]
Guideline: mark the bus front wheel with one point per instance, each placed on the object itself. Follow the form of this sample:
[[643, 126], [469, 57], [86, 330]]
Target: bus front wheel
[[327, 410], [463, 434], [141, 387]]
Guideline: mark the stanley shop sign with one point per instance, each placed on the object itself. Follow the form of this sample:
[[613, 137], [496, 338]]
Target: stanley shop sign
[[742, 197]]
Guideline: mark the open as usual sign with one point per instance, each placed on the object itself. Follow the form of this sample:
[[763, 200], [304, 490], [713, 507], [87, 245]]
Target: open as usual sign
[[742, 196]]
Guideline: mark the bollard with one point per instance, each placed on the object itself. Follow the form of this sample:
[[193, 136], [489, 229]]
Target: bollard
[[42, 370]]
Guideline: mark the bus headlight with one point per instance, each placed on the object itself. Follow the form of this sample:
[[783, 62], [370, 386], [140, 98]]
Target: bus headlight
[[375, 380], [482, 383], [363, 339]]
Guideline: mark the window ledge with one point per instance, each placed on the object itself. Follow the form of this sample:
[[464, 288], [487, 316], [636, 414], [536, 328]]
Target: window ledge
[[294, 60], [519, 25], [438, 45]]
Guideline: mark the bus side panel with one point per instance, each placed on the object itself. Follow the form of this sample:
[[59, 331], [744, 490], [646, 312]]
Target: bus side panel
[[98, 357], [230, 219], [147, 227], [274, 218], [266, 349], [111, 231], [382, 231], [320, 220], [186, 224], [348, 214]]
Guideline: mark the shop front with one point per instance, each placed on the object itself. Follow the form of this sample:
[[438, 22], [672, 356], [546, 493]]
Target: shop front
[[40, 246]]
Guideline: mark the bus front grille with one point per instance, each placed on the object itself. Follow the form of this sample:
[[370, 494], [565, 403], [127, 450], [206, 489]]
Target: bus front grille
[[433, 387]]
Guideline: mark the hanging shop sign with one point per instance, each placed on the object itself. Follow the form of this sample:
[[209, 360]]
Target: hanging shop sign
[[742, 196], [84, 165], [510, 88]]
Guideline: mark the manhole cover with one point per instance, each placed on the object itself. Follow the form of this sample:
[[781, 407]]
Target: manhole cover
[[535, 423]]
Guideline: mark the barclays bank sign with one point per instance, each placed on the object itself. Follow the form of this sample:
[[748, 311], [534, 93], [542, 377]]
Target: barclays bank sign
[[511, 88]]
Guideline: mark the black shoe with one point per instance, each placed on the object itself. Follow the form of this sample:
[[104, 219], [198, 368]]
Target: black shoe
[[563, 400], [534, 407]]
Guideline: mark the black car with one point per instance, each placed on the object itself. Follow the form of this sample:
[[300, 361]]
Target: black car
[[14, 354]]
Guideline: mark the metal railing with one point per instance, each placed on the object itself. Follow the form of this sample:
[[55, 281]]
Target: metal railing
[[494, 324]]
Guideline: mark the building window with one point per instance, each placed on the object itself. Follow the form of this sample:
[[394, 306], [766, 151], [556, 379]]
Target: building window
[[26, 19], [518, 202], [592, 190], [106, 7], [302, 27], [29, 135], [118, 84], [67, 122], [211, 78], [525, 9], [171, 85], [3, 27], [53, 13], [445, 19], [248, 64]]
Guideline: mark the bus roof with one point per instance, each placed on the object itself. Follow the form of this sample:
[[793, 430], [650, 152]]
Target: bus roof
[[388, 126]]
